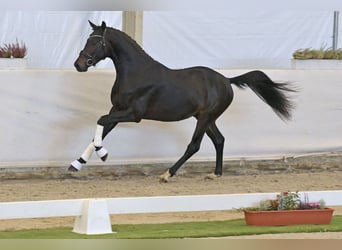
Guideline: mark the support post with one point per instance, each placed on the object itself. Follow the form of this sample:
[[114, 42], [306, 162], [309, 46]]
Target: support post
[[132, 24], [335, 30], [94, 219]]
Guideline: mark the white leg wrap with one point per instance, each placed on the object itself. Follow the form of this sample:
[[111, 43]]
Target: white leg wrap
[[76, 164], [101, 152], [98, 136], [88, 152]]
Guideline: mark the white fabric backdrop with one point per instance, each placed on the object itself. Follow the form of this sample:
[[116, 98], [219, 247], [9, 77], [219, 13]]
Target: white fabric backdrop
[[231, 39], [219, 39], [53, 38]]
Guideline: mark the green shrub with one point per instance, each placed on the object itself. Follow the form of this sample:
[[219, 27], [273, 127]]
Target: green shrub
[[322, 53]]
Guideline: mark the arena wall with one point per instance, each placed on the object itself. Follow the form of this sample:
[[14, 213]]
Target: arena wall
[[48, 117]]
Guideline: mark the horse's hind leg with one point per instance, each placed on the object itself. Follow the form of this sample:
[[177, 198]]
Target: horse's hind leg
[[101, 152], [193, 147], [218, 139]]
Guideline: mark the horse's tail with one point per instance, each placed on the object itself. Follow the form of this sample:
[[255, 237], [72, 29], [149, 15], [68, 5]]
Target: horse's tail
[[272, 93]]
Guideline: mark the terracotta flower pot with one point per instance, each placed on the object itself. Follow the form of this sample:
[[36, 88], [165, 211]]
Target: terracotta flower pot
[[289, 217]]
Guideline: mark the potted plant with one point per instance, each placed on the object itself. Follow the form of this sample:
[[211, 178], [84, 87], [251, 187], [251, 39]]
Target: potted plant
[[323, 58], [18, 50], [12, 56], [288, 209], [5, 51]]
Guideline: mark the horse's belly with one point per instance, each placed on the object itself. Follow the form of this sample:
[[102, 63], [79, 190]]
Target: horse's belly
[[170, 110]]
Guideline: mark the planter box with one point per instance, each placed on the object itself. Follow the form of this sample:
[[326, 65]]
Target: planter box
[[316, 64], [12, 63], [289, 217]]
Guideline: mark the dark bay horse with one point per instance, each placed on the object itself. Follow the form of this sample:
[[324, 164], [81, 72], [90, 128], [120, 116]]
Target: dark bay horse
[[146, 89]]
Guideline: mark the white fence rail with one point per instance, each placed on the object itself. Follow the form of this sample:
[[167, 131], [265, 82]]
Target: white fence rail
[[93, 215]]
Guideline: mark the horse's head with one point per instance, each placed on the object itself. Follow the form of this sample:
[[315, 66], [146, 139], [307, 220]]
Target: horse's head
[[94, 50]]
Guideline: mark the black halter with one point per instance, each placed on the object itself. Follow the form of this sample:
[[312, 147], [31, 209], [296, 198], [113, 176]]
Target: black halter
[[91, 58]]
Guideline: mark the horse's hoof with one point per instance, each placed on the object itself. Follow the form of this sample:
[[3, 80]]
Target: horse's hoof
[[72, 169], [212, 177], [75, 166], [102, 153], [164, 178], [104, 158]]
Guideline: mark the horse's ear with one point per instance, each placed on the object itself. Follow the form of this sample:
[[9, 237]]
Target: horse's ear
[[103, 25], [92, 25]]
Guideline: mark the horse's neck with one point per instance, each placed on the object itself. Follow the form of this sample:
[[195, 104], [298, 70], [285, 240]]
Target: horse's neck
[[127, 55]]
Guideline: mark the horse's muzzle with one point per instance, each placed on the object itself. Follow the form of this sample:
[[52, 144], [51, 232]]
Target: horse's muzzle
[[81, 67]]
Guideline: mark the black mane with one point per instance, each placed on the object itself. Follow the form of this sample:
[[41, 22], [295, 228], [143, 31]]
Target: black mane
[[122, 38]]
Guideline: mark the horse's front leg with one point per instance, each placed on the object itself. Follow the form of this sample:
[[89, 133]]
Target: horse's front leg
[[101, 152], [77, 165], [104, 125], [114, 117], [100, 134]]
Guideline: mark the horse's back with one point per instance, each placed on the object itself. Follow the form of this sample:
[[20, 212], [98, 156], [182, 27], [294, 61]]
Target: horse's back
[[213, 85], [180, 94]]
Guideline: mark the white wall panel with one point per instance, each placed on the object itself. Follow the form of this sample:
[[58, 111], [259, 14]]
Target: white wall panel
[[50, 116]]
